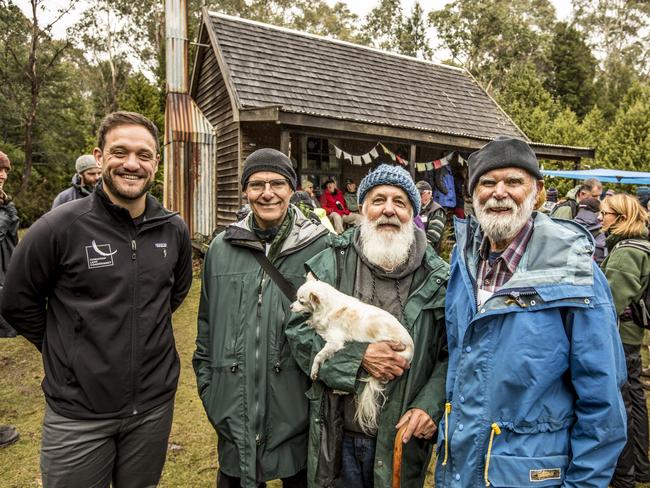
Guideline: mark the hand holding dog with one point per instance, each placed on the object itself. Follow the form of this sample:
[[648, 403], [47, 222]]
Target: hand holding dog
[[382, 361], [420, 425]]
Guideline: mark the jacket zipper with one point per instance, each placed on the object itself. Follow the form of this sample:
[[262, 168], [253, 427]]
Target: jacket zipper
[[134, 248], [258, 437]]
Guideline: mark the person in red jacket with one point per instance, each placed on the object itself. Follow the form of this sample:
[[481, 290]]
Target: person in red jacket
[[333, 201]]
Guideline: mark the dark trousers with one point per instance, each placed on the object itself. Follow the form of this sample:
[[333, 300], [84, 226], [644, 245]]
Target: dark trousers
[[128, 452], [357, 462], [633, 464], [298, 480]]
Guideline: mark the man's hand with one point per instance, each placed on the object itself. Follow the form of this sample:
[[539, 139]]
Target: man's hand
[[382, 361], [419, 425]]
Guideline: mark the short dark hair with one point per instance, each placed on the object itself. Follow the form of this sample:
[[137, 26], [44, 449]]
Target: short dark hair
[[584, 188], [117, 119]]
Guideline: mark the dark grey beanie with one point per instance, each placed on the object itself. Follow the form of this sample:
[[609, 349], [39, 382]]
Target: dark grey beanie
[[267, 159], [503, 152]]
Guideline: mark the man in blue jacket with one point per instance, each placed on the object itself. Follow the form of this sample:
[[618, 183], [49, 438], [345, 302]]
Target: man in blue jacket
[[535, 360]]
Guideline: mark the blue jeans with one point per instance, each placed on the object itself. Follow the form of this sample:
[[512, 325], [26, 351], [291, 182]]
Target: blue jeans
[[357, 463]]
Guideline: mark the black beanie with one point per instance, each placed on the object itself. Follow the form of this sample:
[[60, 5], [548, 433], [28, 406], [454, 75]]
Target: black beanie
[[267, 159], [503, 152]]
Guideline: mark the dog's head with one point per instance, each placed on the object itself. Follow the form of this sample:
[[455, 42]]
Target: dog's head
[[309, 296]]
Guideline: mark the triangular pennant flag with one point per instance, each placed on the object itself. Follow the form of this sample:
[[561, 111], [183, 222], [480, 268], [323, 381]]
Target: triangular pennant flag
[[338, 152], [366, 158], [374, 154], [356, 160], [401, 161], [388, 152]]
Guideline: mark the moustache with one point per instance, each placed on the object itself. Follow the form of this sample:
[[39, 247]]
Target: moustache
[[506, 204], [383, 220]]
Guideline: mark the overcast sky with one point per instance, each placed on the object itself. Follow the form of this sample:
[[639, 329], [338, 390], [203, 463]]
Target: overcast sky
[[360, 7]]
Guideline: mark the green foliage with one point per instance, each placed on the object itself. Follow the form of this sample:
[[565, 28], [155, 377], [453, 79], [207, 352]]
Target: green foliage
[[627, 143], [387, 28], [491, 38], [573, 70]]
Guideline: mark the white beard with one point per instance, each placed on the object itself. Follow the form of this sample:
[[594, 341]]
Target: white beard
[[385, 248], [502, 228]]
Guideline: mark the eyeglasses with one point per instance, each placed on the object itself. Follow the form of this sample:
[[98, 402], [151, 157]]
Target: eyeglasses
[[258, 186], [603, 213]]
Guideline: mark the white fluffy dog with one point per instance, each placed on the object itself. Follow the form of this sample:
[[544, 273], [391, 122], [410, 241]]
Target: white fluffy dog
[[339, 318]]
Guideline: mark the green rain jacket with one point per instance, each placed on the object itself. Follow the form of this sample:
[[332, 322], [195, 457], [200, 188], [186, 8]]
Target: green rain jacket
[[422, 386], [627, 270], [250, 385]]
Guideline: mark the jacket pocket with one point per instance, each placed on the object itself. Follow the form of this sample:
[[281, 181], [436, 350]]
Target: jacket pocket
[[223, 402], [515, 471]]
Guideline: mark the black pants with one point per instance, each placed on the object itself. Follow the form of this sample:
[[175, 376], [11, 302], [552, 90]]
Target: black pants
[[633, 465], [298, 480]]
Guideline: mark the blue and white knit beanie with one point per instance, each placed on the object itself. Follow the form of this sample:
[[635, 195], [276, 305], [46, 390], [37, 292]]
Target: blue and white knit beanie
[[387, 174]]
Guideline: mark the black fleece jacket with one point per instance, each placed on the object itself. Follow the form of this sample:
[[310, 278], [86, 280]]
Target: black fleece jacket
[[95, 294]]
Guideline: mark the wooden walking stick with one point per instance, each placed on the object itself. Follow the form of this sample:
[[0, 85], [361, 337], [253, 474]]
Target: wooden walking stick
[[397, 457]]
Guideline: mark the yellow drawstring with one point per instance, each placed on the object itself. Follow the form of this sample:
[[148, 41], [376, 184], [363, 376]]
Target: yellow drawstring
[[447, 412], [495, 430]]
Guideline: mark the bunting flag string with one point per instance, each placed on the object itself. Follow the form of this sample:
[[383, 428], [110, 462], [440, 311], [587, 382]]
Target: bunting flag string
[[373, 154]]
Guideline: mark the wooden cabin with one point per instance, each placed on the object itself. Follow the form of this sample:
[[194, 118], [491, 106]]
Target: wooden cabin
[[336, 108]]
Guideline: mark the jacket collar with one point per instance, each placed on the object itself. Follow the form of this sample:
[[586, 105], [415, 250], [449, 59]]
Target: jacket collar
[[154, 211], [558, 253], [302, 233]]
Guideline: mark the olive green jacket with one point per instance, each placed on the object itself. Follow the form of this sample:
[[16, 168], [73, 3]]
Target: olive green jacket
[[251, 387], [422, 386], [627, 270]]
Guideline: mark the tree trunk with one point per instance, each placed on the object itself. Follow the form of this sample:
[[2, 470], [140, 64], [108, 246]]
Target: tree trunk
[[30, 119]]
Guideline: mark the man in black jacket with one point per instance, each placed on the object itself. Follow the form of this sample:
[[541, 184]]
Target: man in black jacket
[[93, 285]]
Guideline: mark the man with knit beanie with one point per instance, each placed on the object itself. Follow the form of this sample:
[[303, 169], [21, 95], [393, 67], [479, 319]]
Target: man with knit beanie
[[535, 359], [83, 181], [9, 222], [386, 262], [251, 387]]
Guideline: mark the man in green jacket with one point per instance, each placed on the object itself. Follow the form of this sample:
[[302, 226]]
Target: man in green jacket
[[388, 263], [250, 385]]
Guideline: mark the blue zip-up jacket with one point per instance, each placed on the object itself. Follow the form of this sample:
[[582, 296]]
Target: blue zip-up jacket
[[537, 368]]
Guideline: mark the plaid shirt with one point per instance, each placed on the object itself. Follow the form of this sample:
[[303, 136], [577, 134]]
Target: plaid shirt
[[491, 278]]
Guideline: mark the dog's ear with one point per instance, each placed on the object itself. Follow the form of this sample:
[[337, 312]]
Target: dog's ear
[[311, 277], [314, 298]]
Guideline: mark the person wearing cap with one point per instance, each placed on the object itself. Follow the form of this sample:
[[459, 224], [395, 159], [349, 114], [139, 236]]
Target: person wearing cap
[[433, 216], [251, 388], [9, 223], [388, 263], [351, 196], [333, 201], [535, 358], [93, 285], [83, 181]]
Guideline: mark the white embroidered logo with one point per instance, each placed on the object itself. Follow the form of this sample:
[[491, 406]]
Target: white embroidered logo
[[99, 255], [163, 246]]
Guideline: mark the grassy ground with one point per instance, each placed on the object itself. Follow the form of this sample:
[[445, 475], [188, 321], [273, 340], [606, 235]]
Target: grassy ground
[[192, 456]]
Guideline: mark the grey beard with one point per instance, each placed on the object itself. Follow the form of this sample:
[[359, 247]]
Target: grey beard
[[500, 228], [385, 249]]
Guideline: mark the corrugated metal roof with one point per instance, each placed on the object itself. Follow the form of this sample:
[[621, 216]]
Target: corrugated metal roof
[[304, 73]]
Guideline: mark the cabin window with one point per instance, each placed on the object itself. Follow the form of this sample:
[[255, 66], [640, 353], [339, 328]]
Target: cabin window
[[319, 162]]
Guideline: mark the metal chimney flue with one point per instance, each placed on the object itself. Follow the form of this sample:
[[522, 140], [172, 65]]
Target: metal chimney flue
[[176, 44]]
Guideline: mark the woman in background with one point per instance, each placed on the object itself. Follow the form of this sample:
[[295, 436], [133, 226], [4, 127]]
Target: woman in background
[[627, 268]]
